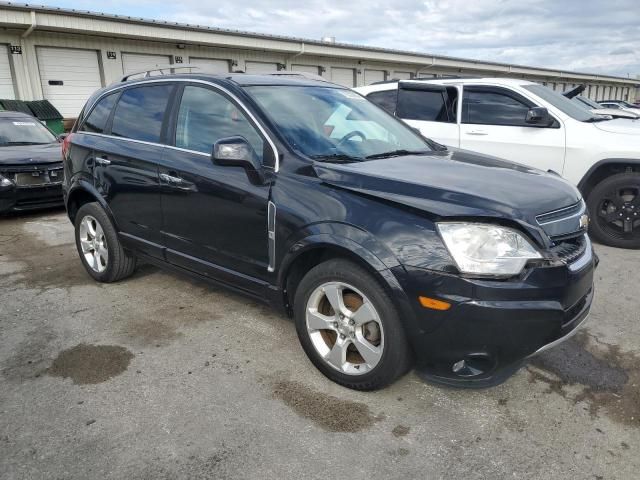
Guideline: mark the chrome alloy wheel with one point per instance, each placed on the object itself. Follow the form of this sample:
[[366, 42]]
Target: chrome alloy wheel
[[345, 328], [94, 244]]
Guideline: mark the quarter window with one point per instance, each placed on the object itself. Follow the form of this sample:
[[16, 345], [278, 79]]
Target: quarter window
[[386, 100], [140, 113], [206, 116], [493, 108], [96, 122]]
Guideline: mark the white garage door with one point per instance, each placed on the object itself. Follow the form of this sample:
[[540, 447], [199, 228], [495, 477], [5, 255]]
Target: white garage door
[[343, 76], [6, 82], [137, 62], [260, 67], [373, 76], [210, 65], [306, 68], [402, 75], [68, 77]]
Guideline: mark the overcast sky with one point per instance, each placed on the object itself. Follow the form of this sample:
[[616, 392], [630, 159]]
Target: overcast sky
[[588, 35]]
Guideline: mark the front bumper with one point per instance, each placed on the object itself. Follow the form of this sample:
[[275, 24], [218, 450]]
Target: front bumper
[[493, 325], [44, 191]]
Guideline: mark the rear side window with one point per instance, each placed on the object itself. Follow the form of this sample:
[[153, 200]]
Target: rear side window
[[96, 122], [206, 116], [140, 113], [425, 105], [493, 108], [386, 100]]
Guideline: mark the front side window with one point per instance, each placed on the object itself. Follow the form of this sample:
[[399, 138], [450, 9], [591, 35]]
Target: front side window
[[386, 100], [140, 113], [322, 122], [23, 131], [559, 101], [425, 105], [206, 116], [96, 122], [493, 108]]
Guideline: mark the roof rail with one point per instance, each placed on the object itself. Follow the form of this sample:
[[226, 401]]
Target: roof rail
[[293, 73], [161, 69]]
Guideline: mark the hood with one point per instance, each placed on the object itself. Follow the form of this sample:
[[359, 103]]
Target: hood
[[31, 154], [623, 126], [456, 183]]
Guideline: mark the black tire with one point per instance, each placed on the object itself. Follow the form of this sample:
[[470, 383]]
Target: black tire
[[121, 264], [396, 356], [606, 204]]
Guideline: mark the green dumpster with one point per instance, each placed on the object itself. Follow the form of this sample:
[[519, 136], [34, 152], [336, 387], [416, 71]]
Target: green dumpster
[[48, 114]]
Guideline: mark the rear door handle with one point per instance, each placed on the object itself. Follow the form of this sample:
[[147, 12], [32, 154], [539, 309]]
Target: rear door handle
[[103, 160], [477, 132], [170, 178]]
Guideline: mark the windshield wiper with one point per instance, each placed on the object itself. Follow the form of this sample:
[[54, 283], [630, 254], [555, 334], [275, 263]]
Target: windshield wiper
[[397, 153], [21, 143], [336, 158], [598, 119]]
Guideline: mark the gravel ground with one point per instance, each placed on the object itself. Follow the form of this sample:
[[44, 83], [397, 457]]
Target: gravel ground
[[163, 377]]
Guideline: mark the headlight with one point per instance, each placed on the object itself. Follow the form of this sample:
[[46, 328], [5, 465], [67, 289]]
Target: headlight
[[5, 182], [485, 249]]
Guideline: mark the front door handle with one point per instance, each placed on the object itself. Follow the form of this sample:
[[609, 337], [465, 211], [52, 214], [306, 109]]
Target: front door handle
[[103, 161], [477, 132]]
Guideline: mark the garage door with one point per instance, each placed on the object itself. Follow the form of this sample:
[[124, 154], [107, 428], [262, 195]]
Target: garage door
[[6, 82], [210, 65], [260, 67], [343, 76], [68, 77], [137, 62], [373, 76], [402, 75], [313, 69]]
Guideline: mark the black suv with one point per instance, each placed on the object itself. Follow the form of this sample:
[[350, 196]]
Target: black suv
[[388, 250]]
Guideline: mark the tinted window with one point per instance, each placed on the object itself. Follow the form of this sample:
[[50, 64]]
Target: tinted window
[[386, 100], [423, 105], [23, 131], [493, 108], [560, 102], [206, 116], [140, 112], [97, 119]]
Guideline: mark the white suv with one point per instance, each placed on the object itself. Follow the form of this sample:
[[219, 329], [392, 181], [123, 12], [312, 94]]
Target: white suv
[[531, 124]]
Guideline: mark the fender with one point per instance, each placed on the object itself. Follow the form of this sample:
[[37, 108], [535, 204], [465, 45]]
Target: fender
[[82, 184], [607, 161]]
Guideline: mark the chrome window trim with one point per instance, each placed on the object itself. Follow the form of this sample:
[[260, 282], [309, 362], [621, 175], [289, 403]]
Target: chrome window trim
[[185, 80], [145, 143]]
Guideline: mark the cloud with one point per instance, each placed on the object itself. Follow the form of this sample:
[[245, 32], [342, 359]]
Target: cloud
[[588, 35]]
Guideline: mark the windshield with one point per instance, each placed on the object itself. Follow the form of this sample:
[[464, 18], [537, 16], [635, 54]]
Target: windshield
[[23, 131], [329, 123], [587, 101], [627, 104], [561, 102]]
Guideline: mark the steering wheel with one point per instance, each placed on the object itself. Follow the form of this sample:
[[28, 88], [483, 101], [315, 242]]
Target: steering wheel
[[350, 135]]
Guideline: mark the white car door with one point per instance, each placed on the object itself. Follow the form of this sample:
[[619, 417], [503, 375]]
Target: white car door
[[432, 109], [493, 123]]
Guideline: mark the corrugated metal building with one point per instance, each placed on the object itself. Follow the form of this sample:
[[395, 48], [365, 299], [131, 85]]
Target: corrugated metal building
[[64, 55]]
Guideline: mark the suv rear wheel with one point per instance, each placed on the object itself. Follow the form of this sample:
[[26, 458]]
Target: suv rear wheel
[[99, 247], [349, 327], [614, 204]]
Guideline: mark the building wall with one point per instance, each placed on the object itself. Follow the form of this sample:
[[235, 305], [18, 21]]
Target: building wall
[[27, 78]]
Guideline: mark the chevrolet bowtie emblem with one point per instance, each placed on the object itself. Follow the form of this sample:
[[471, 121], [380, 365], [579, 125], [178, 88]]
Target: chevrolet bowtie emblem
[[584, 222]]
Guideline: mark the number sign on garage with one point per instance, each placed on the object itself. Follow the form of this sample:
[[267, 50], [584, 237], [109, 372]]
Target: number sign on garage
[[68, 77]]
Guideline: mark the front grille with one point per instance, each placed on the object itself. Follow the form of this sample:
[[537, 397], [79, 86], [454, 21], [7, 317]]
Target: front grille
[[563, 222], [34, 175], [569, 250]]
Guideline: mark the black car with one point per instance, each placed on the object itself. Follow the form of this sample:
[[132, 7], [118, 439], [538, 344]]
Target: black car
[[30, 164], [388, 250]]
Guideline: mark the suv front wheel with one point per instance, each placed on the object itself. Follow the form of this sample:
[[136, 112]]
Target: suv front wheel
[[99, 247], [349, 327], [614, 204]]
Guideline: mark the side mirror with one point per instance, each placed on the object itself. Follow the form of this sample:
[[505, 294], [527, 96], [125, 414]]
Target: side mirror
[[236, 152], [539, 116]]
